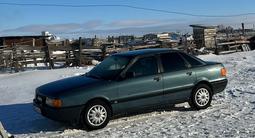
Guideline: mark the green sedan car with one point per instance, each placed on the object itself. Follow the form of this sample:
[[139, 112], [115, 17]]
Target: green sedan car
[[131, 81]]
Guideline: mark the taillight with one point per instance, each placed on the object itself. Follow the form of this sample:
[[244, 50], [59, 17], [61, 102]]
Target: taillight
[[223, 72]]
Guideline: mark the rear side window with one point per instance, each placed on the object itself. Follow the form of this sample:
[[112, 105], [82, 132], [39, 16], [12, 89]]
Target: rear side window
[[192, 61], [144, 67], [172, 62]]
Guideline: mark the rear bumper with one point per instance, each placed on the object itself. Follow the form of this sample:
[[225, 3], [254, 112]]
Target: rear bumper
[[66, 114], [219, 86]]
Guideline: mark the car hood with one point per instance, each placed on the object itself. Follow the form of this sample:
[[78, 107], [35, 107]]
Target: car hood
[[56, 88]]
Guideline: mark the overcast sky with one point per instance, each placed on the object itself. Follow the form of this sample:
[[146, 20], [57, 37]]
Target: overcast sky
[[88, 21]]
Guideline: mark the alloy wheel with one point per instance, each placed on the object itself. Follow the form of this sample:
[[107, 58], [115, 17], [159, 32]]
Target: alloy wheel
[[202, 97], [96, 115]]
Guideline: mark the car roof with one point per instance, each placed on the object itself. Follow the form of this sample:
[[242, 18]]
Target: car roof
[[149, 51]]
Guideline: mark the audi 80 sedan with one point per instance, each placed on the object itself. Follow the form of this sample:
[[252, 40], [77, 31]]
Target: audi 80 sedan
[[129, 81]]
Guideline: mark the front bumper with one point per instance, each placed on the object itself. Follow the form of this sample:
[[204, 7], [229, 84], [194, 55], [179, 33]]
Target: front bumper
[[219, 86], [65, 114]]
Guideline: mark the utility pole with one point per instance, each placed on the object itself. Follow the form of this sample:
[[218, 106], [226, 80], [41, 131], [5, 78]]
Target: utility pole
[[243, 30]]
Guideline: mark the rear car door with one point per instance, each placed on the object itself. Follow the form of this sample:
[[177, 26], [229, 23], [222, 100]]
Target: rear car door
[[178, 79], [144, 87]]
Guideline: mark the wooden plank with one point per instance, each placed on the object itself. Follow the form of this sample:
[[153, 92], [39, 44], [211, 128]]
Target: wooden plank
[[32, 62], [234, 46], [27, 47], [226, 43], [227, 52], [60, 48], [234, 42], [7, 48]]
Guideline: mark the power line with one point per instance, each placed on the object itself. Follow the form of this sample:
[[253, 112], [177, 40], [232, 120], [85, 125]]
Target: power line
[[126, 6]]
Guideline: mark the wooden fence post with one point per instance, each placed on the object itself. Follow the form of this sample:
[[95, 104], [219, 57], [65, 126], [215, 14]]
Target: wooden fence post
[[34, 58], [67, 56], [103, 48], [14, 58], [48, 57], [80, 52], [1, 59], [22, 59], [216, 46]]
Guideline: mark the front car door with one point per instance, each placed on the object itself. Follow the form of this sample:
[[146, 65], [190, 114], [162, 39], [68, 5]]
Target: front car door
[[178, 78], [142, 86]]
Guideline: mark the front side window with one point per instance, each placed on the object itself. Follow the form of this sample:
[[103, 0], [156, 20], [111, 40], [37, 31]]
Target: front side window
[[144, 67], [172, 62]]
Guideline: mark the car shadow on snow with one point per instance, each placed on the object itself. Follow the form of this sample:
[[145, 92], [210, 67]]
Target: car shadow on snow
[[22, 119]]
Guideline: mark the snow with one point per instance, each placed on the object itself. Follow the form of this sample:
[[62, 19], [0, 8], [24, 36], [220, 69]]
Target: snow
[[58, 52], [231, 113]]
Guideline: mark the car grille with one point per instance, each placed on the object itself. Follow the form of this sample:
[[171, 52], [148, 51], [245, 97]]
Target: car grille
[[39, 99]]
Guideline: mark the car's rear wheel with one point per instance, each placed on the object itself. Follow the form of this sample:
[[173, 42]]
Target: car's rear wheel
[[96, 115], [201, 97]]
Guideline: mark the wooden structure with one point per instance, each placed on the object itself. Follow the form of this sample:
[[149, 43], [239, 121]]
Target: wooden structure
[[16, 57], [204, 36], [232, 46], [124, 39], [22, 40]]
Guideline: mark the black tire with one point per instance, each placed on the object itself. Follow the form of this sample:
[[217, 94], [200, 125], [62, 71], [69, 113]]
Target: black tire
[[201, 97], [87, 120]]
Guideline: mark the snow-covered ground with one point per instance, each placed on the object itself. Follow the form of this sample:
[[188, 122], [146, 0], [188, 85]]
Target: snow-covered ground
[[232, 113]]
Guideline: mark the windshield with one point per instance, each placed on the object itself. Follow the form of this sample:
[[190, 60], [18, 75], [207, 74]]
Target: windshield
[[109, 68]]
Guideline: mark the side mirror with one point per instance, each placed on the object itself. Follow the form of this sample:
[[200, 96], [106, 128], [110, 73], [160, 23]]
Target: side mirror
[[130, 75]]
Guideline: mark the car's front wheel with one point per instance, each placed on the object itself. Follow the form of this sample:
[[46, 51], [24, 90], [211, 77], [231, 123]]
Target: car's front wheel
[[96, 115], [201, 97]]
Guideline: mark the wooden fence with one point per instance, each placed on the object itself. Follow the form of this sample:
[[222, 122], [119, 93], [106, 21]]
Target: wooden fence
[[17, 57]]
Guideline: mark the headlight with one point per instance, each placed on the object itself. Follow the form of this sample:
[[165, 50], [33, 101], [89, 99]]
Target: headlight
[[53, 102]]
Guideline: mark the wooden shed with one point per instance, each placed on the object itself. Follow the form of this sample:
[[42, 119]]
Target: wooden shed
[[204, 36]]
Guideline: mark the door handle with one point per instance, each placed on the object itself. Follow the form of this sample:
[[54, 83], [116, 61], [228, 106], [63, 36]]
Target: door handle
[[189, 73], [157, 78]]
